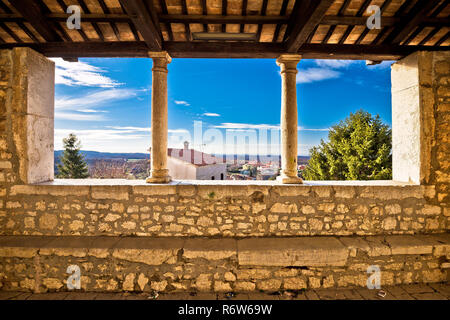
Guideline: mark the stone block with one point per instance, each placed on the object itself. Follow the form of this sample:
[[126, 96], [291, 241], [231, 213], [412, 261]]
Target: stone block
[[155, 190], [148, 251], [406, 244], [377, 246], [307, 251], [210, 249], [110, 192]]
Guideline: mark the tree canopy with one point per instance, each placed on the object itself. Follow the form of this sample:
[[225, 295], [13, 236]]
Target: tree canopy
[[358, 148], [72, 164]]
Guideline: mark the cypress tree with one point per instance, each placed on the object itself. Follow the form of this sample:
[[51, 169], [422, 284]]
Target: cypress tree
[[72, 164]]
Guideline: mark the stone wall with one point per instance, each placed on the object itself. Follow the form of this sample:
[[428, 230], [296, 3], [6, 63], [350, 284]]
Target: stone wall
[[71, 208], [220, 210], [221, 265]]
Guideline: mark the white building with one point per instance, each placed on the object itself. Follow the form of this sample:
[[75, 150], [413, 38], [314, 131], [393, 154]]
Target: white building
[[190, 164]]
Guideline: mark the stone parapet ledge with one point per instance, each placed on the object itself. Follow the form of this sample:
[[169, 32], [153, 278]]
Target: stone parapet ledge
[[179, 264], [206, 208]]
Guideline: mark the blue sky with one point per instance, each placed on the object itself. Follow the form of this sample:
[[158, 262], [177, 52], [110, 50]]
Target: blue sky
[[106, 102]]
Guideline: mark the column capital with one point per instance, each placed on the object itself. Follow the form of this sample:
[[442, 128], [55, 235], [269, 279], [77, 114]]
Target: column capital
[[289, 58], [164, 55]]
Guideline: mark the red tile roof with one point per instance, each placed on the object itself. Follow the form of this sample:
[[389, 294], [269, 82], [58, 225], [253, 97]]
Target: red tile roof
[[194, 157]]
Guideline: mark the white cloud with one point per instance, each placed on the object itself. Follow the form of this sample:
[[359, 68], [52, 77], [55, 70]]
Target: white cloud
[[313, 129], [145, 129], [230, 125], [94, 99], [335, 64], [211, 114], [91, 111], [181, 102], [316, 74], [106, 140], [78, 117], [81, 74], [242, 127]]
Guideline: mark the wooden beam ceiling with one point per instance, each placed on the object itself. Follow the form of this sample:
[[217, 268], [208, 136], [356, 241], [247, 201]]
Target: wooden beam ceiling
[[291, 33], [305, 16], [143, 22], [413, 19], [30, 10]]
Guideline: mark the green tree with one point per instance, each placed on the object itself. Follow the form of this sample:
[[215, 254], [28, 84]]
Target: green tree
[[72, 164], [359, 148]]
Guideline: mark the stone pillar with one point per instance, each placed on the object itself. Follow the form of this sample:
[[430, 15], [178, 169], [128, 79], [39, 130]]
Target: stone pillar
[[27, 86], [159, 172], [289, 127], [420, 108]]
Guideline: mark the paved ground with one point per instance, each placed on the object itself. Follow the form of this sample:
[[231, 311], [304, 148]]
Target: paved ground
[[440, 291]]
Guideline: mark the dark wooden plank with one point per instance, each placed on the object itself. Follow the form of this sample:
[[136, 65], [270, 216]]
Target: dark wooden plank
[[63, 6], [163, 5], [411, 37], [86, 17], [349, 29], [441, 7], [223, 50], [186, 25], [86, 12], [106, 10], [260, 26], [430, 35], [243, 12], [4, 7], [143, 22], [306, 17], [10, 32], [28, 31], [329, 34], [443, 39], [224, 13], [223, 19], [32, 12], [411, 21], [282, 13], [362, 36]]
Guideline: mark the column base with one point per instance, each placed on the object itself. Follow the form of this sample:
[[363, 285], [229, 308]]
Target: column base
[[289, 180], [159, 176], [165, 179]]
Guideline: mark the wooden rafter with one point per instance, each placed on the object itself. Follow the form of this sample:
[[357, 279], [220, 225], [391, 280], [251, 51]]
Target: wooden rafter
[[63, 6], [222, 50], [350, 28], [187, 28], [443, 39], [143, 22], [105, 9], [222, 19], [263, 13], [163, 5], [31, 11], [304, 18], [411, 21], [224, 13], [243, 12], [10, 32], [282, 13]]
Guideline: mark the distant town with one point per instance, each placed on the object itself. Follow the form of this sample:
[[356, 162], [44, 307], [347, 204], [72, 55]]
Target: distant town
[[103, 165]]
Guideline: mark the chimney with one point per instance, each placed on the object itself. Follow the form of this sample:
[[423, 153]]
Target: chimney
[[186, 145]]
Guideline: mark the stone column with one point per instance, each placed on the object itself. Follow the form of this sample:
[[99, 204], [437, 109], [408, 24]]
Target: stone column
[[159, 172], [288, 64]]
